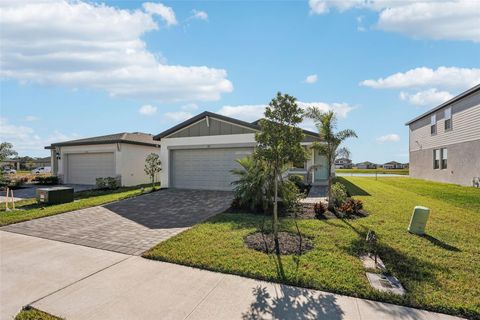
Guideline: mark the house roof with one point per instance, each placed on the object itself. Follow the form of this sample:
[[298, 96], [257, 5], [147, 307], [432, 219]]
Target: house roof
[[454, 99], [365, 162], [253, 125], [138, 138], [392, 162]]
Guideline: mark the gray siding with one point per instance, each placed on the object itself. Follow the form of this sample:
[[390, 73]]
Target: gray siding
[[216, 128], [465, 126], [463, 164]]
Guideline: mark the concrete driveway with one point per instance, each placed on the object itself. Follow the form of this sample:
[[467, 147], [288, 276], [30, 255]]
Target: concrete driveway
[[76, 282], [129, 226]]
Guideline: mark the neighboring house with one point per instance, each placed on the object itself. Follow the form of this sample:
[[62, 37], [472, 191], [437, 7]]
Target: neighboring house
[[394, 165], [25, 163], [366, 165], [120, 155], [343, 163], [200, 153], [445, 141]]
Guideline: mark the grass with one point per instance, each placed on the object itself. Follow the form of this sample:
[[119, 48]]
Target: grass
[[440, 270], [34, 314], [29, 209], [373, 171]]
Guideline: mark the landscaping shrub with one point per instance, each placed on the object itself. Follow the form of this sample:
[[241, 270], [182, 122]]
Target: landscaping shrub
[[108, 183], [46, 180], [351, 207], [290, 195], [298, 181], [339, 194], [13, 183], [319, 208]]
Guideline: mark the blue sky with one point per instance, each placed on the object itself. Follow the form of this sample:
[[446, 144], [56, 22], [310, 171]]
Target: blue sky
[[82, 69]]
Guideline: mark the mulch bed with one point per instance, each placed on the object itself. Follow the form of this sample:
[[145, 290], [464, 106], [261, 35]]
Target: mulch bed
[[289, 243]]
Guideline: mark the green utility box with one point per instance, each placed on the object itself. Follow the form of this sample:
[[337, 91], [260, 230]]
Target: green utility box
[[419, 220], [55, 195]]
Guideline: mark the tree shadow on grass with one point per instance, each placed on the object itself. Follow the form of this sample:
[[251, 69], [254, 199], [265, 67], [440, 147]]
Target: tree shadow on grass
[[292, 303], [352, 188]]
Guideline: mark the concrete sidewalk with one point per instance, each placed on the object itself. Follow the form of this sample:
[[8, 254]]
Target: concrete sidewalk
[[131, 287]]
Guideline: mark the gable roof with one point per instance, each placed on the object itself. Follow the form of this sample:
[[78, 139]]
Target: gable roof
[[392, 162], [138, 138], [454, 99], [252, 125]]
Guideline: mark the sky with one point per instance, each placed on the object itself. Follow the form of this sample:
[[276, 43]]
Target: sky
[[74, 69]]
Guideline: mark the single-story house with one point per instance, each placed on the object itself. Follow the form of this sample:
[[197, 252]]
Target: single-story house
[[393, 165], [343, 163], [25, 163], [366, 165], [120, 155], [200, 153]]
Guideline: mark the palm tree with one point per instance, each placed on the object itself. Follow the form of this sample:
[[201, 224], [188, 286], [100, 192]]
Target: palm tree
[[250, 188], [331, 140]]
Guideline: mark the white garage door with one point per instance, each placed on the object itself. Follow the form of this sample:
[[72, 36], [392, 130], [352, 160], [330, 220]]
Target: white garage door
[[84, 168], [205, 168]]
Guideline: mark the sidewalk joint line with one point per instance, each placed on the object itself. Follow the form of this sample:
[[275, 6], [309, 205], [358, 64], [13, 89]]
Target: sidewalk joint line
[[204, 298], [76, 281]]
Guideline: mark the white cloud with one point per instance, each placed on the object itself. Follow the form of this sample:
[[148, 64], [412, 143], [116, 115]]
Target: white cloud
[[189, 107], [255, 111], [31, 118], [428, 97], [393, 137], [178, 116], [96, 46], [147, 110], [442, 77], [200, 15], [164, 12], [446, 20], [26, 141], [311, 79]]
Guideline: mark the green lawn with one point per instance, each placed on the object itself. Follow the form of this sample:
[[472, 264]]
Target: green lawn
[[373, 171], [29, 209], [34, 314], [440, 271]]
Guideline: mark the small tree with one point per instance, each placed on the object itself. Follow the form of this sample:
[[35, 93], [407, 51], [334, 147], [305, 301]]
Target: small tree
[[331, 140], [279, 144], [153, 165], [6, 151]]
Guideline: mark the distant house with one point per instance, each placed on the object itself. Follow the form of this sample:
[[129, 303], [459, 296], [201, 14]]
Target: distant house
[[366, 165], [394, 165], [343, 163], [445, 141], [25, 163]]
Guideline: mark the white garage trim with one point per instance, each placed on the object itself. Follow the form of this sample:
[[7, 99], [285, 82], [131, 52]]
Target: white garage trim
[[202, 168], [84, 168]]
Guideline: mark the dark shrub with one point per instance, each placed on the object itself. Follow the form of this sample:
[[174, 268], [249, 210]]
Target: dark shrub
[[46, 180], [351, 206], [319, 209], [298, 181], [14, 183]]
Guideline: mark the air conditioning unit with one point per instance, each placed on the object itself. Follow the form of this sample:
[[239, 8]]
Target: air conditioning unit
[[54, 195]]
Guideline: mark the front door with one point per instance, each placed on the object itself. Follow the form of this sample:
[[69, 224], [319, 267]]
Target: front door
[[321, 168]]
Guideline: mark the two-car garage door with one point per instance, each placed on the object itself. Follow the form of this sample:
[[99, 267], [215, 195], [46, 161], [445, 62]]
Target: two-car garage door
[[84, 168], [205, 168]]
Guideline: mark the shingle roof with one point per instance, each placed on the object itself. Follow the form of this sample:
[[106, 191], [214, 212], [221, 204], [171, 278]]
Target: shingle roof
[[123, 137]]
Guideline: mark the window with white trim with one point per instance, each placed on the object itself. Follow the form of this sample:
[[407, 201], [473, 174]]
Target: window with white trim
[[436, 159], [444, 156], [433, 124], [448, 119]]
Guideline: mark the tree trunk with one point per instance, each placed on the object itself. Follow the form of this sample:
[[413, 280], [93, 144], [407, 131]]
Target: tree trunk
[[275, 213], [330, 198]]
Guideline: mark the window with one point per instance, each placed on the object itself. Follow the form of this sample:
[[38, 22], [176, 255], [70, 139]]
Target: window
[[448, 119], [444, 155], [433, 124], [436, 159]]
